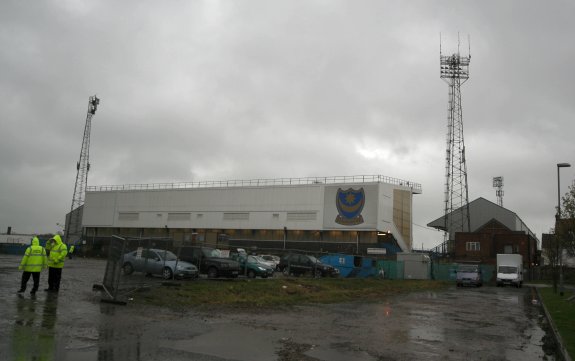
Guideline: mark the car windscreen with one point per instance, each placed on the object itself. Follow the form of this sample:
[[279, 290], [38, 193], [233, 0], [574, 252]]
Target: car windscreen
[[313, 259], [167, 255], [507, 269], [467, 269], [211, 253]]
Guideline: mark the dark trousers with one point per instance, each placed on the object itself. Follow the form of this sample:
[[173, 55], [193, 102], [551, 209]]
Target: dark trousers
[[26, 277], [54, 276]]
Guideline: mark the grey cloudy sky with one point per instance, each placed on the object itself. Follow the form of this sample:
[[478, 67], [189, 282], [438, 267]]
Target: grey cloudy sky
[[217, 90]]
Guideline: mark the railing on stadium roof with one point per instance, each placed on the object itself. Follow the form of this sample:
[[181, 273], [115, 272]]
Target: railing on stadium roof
[[416, 187]]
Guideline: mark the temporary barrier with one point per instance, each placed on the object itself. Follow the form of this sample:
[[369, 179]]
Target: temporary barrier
[[147, 257]]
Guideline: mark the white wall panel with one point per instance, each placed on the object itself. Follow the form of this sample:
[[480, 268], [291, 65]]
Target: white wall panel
[[207, 206], [99, 209]]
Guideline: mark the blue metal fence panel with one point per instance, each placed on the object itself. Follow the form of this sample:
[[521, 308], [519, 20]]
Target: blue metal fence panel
[[350, 266]]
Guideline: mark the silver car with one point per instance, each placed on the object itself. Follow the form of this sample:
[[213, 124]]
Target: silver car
[[469, 275], [270, 260], [157, 262]]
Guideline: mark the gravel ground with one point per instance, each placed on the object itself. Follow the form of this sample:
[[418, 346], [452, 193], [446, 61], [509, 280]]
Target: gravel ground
[[486, 323]]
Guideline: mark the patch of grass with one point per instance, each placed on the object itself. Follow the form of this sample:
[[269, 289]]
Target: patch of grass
[[281, 292], [562, 312]]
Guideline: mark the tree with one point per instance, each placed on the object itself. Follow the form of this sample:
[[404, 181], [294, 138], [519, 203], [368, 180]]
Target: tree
[[551, 248], [564, 235], [566, 227]]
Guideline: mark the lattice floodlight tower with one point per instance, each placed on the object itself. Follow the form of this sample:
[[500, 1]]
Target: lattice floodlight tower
[[74, 218], [498, 183], [455, 71]]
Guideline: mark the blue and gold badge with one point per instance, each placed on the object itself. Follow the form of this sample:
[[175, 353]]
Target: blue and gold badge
[[349, 205]]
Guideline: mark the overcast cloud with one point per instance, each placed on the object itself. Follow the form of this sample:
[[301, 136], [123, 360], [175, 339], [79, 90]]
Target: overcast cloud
[[218, 90]]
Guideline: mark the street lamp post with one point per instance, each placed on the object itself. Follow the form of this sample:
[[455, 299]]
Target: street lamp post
[[559, 249]]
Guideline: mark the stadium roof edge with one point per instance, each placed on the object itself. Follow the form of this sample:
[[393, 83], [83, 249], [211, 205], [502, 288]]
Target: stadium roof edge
[[415, 187]]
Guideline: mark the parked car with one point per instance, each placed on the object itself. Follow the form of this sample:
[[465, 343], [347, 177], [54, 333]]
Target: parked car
[[157, 262], [274, 261], [210, 261], [298, 264], [251, 266], [469, 275]]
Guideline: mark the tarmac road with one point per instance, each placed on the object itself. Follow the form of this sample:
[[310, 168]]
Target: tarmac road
[[487, 323]]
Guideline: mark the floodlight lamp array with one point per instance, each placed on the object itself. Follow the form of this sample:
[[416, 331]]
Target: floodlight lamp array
[[454, 66]]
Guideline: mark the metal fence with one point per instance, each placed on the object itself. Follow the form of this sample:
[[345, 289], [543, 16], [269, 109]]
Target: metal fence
[[392, 270], [448, 272], [140, 263], [136, 255], [260, 183]]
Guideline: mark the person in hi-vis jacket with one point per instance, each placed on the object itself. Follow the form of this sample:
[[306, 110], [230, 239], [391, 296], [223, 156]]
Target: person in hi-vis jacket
[[58, 252], [33, 262]]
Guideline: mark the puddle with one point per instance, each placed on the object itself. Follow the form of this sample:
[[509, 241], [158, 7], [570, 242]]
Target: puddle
[[330, 354], [486, 323], [230, 341]]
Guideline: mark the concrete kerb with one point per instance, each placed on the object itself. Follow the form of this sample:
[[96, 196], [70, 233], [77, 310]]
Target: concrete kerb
[[556, 334]]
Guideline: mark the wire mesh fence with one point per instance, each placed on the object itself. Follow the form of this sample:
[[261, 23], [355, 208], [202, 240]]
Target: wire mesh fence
[[140, 263]]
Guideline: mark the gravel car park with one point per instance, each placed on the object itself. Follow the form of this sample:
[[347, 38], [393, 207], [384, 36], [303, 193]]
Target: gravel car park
[[503, 324]]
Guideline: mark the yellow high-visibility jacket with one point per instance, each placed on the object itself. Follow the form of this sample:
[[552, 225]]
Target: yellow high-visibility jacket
[[58, 252], [34, 259]]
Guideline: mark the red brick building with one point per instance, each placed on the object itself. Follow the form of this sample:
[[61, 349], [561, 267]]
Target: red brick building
[[494, 230], [484, 244]]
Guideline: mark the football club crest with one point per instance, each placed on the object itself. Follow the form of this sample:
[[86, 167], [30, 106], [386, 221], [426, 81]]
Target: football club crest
[[349, 205]]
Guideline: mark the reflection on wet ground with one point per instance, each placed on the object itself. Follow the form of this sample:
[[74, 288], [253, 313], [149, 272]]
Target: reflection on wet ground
[[485, 323], [33, 335]]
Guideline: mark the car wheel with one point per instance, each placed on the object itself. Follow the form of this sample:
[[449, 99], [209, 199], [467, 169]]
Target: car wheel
[[317, 273], [212, 272], [167, 273], [128, 268], [285, 271], [251, 274]]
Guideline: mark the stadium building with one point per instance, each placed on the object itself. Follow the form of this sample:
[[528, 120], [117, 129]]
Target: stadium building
[[350, 214]]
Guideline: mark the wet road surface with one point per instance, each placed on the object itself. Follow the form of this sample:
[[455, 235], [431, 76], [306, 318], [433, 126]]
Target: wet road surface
[[487, 323]]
